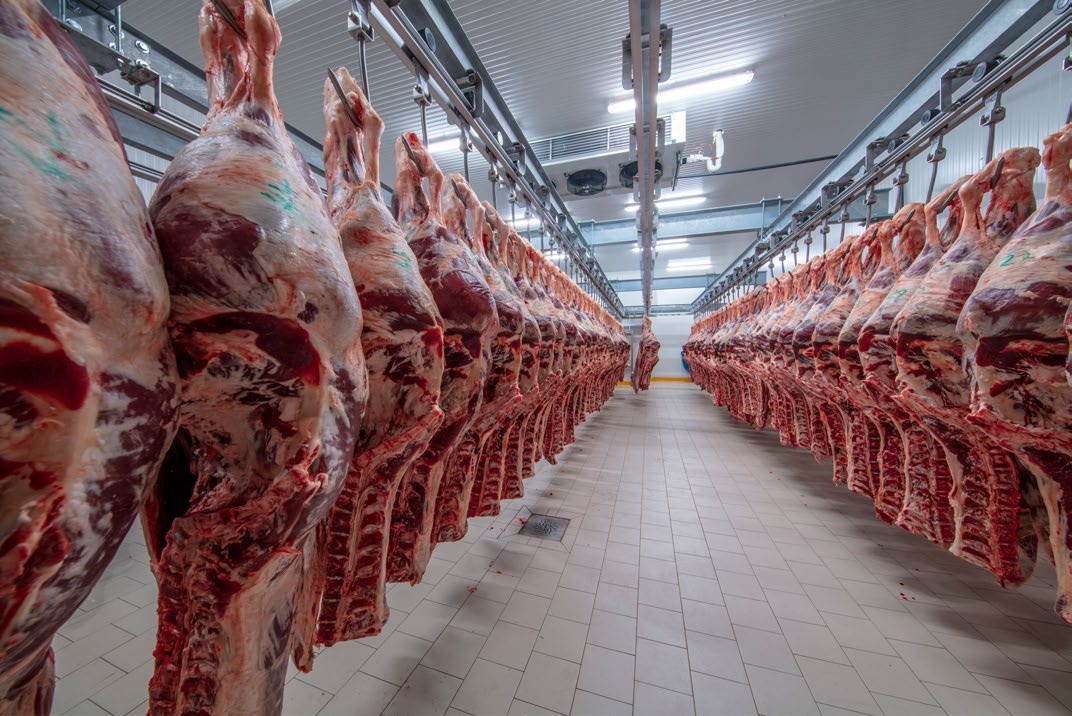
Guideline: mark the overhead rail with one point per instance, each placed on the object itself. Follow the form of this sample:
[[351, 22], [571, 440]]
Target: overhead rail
[[707, 222], [147, 73], [431, 43], [929, 106]]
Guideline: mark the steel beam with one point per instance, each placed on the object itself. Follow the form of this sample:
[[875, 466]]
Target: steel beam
[[635, 284], [670, 309], [709, 222]]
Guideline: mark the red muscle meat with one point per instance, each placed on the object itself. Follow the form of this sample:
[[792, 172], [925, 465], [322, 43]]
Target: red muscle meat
[[88, 388], [475, 492], [992, 527], [266, 325], [449, 268], [505, 446], [402, 339], [647, 357], [1016, 348], [925, 507], [905, 230]]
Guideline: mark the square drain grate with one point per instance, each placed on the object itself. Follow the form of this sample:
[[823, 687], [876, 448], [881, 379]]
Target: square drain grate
[[545, 527]]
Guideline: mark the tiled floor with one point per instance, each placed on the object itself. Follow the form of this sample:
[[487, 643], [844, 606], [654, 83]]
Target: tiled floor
[[706, 570]]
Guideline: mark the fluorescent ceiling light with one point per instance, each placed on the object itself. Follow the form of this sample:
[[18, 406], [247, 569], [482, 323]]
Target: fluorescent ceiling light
[[555, 255], [688, 265], [685, 91], [666, 204], [438, 146], [677, 127], [667, 245], [278, 5]]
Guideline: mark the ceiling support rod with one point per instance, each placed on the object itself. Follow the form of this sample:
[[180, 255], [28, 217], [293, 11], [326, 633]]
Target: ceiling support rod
[[644, 51]]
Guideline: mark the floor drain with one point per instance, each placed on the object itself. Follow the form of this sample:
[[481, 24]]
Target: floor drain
[[545, 527]]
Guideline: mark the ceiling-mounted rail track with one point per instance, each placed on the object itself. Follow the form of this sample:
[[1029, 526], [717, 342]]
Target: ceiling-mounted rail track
[[406, 27], [920, 115]]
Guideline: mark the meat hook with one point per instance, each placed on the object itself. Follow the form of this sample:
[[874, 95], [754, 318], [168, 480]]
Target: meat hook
[[997, 173], [948, 200], [413, 158], [351, 115], [229, 17]]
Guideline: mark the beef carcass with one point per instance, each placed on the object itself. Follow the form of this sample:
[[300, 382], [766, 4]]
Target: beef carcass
[[402, 339], [925, 507], [551, 333], [467, 307], [992, 527], [266, 326], [905, 231], [511, 435], [820, 421], [646, 358], [461, 494], [88, 388], [1016, 348]]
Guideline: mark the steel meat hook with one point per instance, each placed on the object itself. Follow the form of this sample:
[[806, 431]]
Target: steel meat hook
[[351, 115], [229, 17], [413, 158], [997, 173]]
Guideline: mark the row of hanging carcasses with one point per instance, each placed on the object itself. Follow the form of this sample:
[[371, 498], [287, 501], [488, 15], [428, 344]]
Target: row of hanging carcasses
[[301, 397], [930, 359]]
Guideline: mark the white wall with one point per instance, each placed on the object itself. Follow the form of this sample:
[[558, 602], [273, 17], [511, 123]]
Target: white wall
[[672, 332]]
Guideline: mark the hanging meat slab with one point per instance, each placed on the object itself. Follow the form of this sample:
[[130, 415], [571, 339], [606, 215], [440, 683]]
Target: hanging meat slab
[[1016, 350], [992, 526], [467, 307], [647, 357], [266, 325], [88, 388], [402, 339]]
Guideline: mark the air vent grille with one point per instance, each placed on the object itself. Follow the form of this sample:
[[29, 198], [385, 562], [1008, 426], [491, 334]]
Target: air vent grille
[[604, 140]]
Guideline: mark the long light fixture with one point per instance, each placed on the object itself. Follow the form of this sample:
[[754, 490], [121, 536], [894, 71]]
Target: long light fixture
[[670, 203], [438, 146], [685, 91], [688, 265], [555, 255], [667, 245]]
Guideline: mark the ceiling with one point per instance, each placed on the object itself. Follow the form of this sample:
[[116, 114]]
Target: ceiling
[[823, 70]]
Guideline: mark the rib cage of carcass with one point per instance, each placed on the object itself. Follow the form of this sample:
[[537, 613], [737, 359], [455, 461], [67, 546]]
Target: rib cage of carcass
[[929, 359]]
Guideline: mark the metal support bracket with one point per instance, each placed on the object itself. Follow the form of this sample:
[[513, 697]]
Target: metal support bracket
[[104, 59], [874, 151], [422, 95], [358, 24], [945, 92], [472, 87], [832, 190], [899, 181]]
